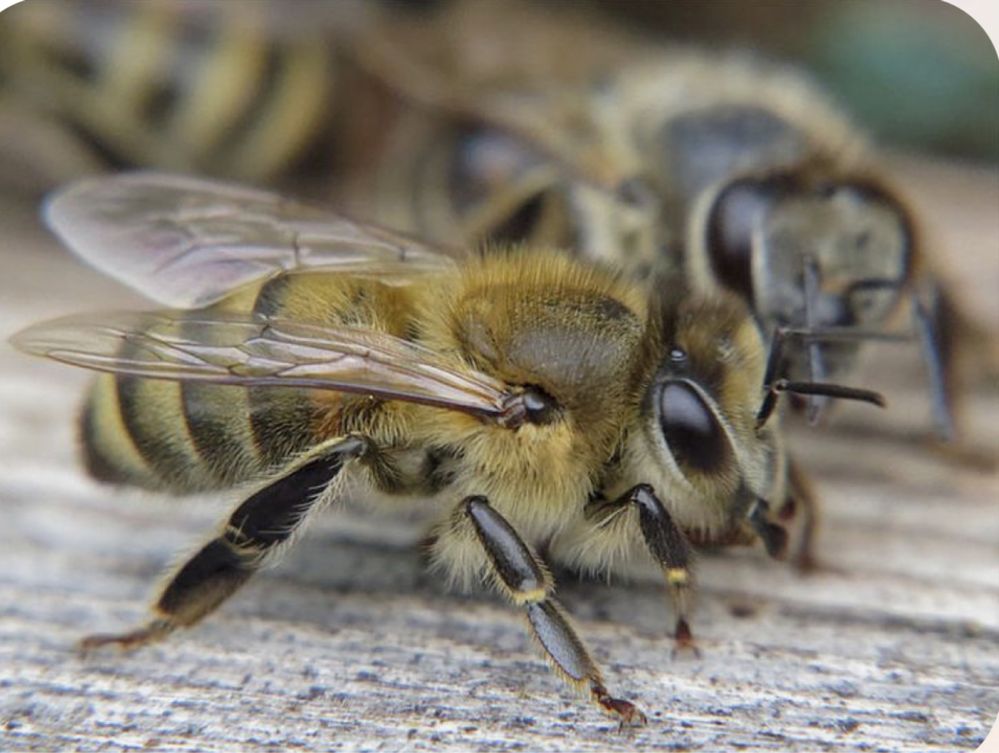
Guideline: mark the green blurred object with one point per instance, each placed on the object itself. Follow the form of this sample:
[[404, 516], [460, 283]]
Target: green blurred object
[[920, 75], [917, 73]]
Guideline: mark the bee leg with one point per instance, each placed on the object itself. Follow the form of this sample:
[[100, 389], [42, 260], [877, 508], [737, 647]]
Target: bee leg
[[773, 535], [519, 574], [934, 318], [255, 530], [801, 497], [671, 550]]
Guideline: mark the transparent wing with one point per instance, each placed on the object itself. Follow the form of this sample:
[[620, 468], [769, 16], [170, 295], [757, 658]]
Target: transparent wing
[[248, 351], [187, 242]]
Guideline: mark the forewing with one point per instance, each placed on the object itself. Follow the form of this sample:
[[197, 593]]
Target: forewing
[[242, 350], [187, 242]]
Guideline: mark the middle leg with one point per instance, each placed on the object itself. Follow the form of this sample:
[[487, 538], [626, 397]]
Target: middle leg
[[669, 548], [518, 573]]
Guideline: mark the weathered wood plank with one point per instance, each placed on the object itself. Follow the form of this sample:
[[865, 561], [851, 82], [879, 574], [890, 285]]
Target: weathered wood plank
[[349, 645]]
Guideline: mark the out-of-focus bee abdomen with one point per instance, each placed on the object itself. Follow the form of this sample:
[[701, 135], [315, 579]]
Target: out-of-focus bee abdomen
[[210, 88], [188, 437]]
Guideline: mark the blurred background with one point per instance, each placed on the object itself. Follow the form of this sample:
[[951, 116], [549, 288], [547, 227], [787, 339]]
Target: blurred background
[[283, 91], [451, 118], [917, 73]]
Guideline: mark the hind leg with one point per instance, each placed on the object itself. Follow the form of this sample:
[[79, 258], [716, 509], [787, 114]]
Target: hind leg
[[255, 530]]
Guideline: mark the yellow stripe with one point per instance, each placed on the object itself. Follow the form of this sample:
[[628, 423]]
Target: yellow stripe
[[677, 576], [226, 85], [284, 126], [141, 52], [111, 441]]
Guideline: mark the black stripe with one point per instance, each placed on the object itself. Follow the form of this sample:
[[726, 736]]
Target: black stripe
[[280, 418], [173, 466], [191, 53], [265, 90], [212, 425]]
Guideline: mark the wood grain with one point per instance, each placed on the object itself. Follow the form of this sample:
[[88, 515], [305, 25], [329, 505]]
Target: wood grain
[[349, 645]]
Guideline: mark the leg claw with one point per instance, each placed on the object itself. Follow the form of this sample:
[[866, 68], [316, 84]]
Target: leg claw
[[627, 713], [684, 640], [125, 641]]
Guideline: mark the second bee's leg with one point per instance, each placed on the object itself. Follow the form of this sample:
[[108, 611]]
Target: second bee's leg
[[520, 575], [933, 317], [801, 500], [773, 535], [256, 529], [812, 279], [948, 335]]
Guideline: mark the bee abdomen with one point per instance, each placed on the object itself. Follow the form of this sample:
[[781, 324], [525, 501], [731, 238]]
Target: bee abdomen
[[186, 437], [109, 453], [167, 436], [212, 90]]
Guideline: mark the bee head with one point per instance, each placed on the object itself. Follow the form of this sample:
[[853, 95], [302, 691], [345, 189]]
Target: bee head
[[760, 232], [703, 388]]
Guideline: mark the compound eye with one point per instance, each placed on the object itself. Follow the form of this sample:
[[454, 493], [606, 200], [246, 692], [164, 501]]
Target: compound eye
[[692, 433], [736, 213]]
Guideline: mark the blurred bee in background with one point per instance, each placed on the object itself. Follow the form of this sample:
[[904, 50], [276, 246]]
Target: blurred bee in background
[[504, 142], [767, 190], [252, 91], [742, 175], [525, 399]]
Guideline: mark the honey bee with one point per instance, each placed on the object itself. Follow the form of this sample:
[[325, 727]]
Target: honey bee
[[525, 400], [767, 190], [244, 91]]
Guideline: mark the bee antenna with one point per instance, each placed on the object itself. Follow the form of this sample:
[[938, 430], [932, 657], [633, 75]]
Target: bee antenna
[[772, 386], [839, 391]]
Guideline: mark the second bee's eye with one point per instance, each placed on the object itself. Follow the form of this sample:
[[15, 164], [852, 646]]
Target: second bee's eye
[[692, 433], [735, 215]]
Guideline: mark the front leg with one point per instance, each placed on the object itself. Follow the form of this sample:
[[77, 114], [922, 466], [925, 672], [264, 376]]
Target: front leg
[[801, 499], [517, 572], [668, 547]]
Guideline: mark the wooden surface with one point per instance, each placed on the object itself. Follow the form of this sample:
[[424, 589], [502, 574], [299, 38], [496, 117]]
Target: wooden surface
[[348, 645]]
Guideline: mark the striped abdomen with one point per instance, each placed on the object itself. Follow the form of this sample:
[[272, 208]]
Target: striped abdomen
[[187, 437], [209, 88]]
